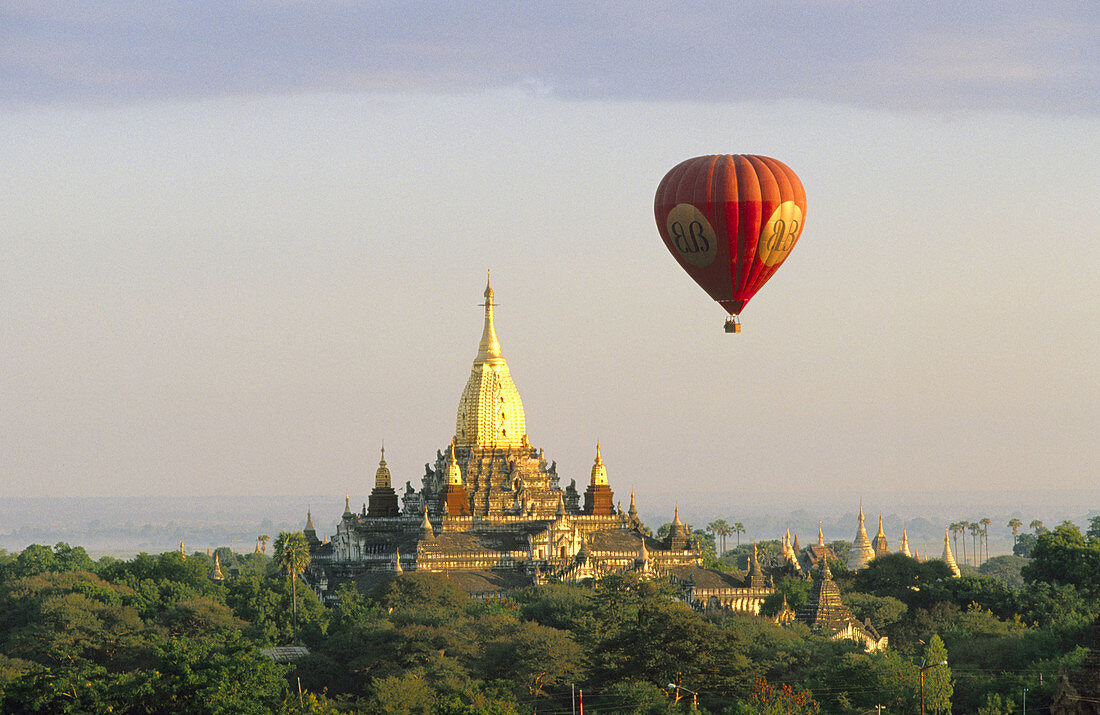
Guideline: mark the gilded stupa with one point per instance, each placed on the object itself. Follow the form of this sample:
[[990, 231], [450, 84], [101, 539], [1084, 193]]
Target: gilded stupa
[[862, 551], [948, 557]]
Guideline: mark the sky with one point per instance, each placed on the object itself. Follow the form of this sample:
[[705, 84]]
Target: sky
[[243, 245]]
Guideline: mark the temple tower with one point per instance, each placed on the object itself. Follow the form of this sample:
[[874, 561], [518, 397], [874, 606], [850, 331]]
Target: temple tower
[[383, 499], [678, 534], [879, 544], [905, 542], [598, 498], [455, 501]]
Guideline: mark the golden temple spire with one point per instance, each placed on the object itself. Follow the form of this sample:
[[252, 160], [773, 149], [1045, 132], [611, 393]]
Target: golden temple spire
[[599, 472], [490, 412], [397, 561], [183, 551], [382, 478], [948, 557], [489, 349], [880, 533], [217, 575], [905, 541], [820, 535]]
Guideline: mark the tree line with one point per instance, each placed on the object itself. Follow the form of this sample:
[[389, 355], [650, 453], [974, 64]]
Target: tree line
[[156, 634]]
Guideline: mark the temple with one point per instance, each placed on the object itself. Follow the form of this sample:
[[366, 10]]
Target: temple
[[492, 513]]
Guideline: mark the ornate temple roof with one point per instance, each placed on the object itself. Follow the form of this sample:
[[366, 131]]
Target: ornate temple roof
[[490, 412]]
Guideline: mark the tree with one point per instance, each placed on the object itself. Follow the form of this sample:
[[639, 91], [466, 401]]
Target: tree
[[782, 699], [292, 556], [985, 522], [739, 529], [1094, 528], [1037, 526], [1064, 556], [1015, 525], [975, 529], [1024, 545], [262, 540], [719, 528], [937, 679]]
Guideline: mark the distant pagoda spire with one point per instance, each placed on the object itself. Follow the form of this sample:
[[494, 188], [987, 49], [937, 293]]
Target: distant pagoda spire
[[598, 498], [454, 501], [347, 505], [820, 535], [905, 542], [948, 557], [217, 575], [756, 574], [382, 501], [397, 561], [862, 550], [879, 543], [183, 551], [426, 530]]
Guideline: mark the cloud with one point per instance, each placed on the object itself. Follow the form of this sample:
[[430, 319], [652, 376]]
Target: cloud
[[935, 55]]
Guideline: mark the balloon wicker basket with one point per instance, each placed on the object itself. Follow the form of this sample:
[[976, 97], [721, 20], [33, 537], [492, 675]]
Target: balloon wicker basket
[[733, 325]]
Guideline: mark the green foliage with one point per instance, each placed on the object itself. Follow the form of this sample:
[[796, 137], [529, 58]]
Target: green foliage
[[881, 611], [1025, 544], [1065, 556], [937, 678], [795, 590], [292, 556], [1005, 569], [996, 705], [901, 577], [1094, 528]]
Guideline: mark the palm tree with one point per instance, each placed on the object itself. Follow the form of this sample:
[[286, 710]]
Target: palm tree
[[1037, 525], [719, 528], [292, 556], [739, 529], [985, 522], [263, 539], [1015, 525], [975, 529]]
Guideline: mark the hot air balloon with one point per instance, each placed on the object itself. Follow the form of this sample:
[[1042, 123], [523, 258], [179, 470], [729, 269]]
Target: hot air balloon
[[730, 220]]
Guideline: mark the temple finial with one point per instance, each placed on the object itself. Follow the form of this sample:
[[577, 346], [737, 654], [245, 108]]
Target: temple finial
[[489, 349]]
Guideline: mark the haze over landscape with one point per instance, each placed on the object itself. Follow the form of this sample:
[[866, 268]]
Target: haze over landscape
[[241, 247]]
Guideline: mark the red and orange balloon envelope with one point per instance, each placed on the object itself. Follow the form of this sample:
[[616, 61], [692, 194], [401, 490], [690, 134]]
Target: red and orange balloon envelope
[[730, 221]]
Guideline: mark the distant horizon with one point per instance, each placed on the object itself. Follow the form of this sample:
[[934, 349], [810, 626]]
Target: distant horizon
[[127, 525]]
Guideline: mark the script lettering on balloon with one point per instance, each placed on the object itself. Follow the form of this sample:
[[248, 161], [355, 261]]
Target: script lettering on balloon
[[692, 235], [779, 234]]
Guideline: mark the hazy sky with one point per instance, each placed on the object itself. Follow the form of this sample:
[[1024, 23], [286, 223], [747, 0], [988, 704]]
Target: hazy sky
[[243, 244]]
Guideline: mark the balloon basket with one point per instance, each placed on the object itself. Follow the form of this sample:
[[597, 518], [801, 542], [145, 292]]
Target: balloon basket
[[733, 325]]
